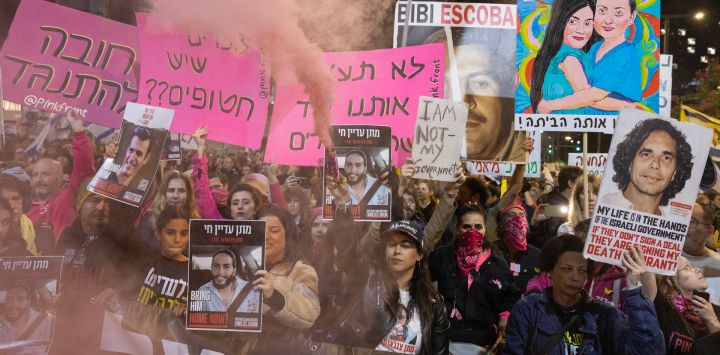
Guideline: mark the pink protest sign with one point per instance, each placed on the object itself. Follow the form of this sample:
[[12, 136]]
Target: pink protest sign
[[205, 82], [60, 60], [380, 87]]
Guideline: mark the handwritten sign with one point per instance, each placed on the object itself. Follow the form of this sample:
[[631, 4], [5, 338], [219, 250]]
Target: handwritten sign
[[595, 164], [644, 198], [60, 60], [533, 167], [380, 87], [439, 135], [205, 82]]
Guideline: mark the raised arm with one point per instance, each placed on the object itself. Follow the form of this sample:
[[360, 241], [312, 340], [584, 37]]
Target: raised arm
[[203, 195]]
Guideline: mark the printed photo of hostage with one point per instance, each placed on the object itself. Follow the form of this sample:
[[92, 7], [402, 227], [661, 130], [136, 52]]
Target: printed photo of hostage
[[28, 290], [128, 176], [648, 189], [225, 257], [484, 56], [361, 156]]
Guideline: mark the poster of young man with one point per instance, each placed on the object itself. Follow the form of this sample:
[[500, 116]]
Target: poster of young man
[[171, 149], [361, 157], [29, 286], [479, 67], [224, 256], [580, 61], [127, 177], [648, 189]]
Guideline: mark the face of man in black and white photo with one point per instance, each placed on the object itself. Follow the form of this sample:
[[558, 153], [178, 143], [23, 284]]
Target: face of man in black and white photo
[[355, 168], [654, 164], [222, 270]]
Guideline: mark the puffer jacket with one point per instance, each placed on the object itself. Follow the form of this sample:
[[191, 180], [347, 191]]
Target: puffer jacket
[[606, 330]]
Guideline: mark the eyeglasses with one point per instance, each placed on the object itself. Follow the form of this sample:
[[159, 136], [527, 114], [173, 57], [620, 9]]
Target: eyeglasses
[[694, 223], [689, 267], [476, 227]]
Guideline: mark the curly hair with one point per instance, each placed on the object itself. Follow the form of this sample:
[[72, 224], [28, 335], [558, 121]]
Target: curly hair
[[627, 149]]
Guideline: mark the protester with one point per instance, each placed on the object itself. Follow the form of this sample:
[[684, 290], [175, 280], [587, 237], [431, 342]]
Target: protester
[[695, 249], [543, 228], [521, 257], [684, 315], [11, 243], [426, 198], [17, 194], [576, 209], [564, 320], [52, 206], [243, 202], [299, 207]]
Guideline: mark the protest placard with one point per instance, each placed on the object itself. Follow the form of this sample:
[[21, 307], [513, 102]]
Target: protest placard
[[171, 149], [689, 114], [28, 288], [61, 60], [127, 177], [362, 156], [595, 162], [206, 82], [380, 86], [648, 190], [480, 68], [566, 83], [224, 253], [666, 69], [439, 135], [533, 166]]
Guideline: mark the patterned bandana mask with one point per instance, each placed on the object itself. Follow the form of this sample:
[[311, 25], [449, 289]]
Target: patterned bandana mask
[[515, 232], [468, 250]]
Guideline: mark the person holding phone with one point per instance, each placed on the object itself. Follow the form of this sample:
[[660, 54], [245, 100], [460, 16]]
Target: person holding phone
[[684, 311]]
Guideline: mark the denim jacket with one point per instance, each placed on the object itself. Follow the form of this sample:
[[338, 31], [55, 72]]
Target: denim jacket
[[606, 330]]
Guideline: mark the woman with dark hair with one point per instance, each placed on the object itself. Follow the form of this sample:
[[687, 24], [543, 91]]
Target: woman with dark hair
[[615, 79], [684, 315], [299, 207], [289, 286], [474, 281], [564, 320], [561, 66], [11, 243], [243, 202], [17, 194]]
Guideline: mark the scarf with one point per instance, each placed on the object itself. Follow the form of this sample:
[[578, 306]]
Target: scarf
[[468, 251], [220, 196], [515, 232], [681, 305], [27, 230]]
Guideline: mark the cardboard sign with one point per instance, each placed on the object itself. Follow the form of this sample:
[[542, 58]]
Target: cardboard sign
[[206, 83], [61, 60], [595, 164], [240, 243], [374, 87], [648, 190], [666, 69], [439, 135], [566, 83]]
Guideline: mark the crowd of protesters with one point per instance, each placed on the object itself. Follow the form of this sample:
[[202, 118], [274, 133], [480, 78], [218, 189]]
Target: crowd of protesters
[[462, 268]]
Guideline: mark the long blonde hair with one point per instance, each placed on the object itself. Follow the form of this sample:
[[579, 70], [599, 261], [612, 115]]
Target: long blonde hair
[[160, 201], [575, 214]]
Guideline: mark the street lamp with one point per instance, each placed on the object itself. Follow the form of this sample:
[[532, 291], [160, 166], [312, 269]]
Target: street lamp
[[699, 16]]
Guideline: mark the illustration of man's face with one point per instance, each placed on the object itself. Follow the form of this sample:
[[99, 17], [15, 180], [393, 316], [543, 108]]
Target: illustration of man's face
[[355, 168], [222, 270], [654, 164], [136, 156]]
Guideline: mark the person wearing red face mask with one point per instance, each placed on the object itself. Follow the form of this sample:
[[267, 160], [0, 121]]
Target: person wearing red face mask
[[521, 257]]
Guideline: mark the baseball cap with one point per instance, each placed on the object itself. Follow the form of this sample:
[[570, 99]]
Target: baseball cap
[[412, 229]]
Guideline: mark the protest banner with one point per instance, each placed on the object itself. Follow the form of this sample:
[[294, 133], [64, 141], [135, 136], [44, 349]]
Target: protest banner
[[439, 135], [666, 69], [171, 149], [215, 247], [480, 68], [494, 169], [566, 83], [127, 177], [362, 156], [61, 60], [595, 164], [380, 86], [648, 190], [28, 288], [689, 114], [205, 82]]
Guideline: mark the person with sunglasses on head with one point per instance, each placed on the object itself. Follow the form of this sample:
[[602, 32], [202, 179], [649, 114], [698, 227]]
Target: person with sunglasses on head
[[695, 249], [688, 320]]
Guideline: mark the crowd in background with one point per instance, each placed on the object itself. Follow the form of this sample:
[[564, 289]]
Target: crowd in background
[[462, 267]]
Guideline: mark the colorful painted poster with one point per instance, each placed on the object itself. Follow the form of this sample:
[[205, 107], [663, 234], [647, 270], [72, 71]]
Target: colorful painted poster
[[648, 190], [381, 87], [61, 60], [225, 254], [128, 177], [205, 82], [362, 157], [580, 61], [479, 69], [439, 135]]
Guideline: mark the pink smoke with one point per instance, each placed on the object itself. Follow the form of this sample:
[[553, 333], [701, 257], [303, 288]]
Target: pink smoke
[[271, 26]]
